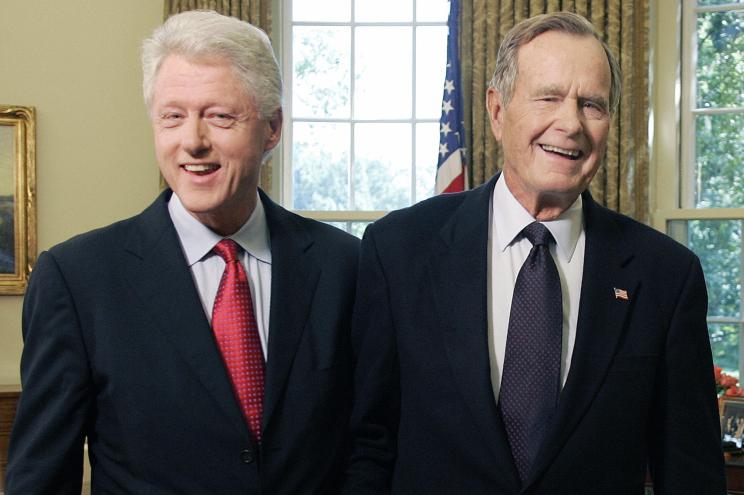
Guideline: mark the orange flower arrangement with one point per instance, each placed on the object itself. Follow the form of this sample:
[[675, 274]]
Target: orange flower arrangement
[[727, 385]]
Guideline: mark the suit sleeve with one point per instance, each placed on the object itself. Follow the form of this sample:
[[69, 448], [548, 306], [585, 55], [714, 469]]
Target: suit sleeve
[[685, 437], [46, 444], [375, 416]]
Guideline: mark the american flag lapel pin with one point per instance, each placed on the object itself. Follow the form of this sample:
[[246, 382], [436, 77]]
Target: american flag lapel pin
[[621, 294]]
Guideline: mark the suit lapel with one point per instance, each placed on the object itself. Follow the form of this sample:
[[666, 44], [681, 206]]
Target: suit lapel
[[159, 274], [294, 276], [602, 318], [458, 271]]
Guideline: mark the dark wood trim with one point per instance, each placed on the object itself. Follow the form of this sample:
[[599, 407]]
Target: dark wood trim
[[9, 395], [735, 475]]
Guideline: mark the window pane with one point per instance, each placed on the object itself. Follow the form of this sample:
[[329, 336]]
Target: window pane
[[433, 10], [382, 166], [427, 150], [720, 63], [383, 10], [719, 150], [320, 82], [320, 157], [431, 58], [724, 342], [383, 73], [326, 10]]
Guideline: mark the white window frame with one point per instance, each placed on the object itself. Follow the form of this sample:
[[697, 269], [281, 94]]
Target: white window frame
[[672, 126], [284, 172]]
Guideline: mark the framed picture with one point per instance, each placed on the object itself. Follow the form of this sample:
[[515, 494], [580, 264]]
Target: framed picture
[[17, 197], [732, 422]]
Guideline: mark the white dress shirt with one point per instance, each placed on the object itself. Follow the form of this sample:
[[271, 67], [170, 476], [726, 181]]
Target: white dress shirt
[[507, 253], [197, 241]]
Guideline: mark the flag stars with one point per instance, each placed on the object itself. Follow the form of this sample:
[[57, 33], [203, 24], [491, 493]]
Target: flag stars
[[449, 86], [445, 129], [443, 149], [447, 107]]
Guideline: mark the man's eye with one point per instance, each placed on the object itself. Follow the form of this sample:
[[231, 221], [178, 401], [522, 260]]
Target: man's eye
[[594, 108], [222, 119], [171, 119]]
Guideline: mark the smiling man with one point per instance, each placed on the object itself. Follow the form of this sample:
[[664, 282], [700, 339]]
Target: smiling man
[[201, 347], [520, 338]]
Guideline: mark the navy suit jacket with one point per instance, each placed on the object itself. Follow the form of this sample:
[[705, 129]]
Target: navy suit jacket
[[118, 349], [640, 391]]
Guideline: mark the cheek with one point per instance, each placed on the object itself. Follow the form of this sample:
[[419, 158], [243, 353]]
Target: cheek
[[598, 134], [165, 143]]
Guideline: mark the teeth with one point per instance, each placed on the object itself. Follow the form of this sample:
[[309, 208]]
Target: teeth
[[556, 149], [199, 167]]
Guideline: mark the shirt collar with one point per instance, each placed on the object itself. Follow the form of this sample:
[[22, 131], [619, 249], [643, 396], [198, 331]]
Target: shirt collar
[[513, 217], [198, 240]]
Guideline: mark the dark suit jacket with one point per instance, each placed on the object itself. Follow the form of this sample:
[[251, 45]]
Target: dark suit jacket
[[640, 390], [118, 349]]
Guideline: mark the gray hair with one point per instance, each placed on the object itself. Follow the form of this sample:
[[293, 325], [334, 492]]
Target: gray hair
[[205, 34], [504, 77]]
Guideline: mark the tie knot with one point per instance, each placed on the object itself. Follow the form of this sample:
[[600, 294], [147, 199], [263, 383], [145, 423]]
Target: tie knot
[[538, 234], [227, 249]]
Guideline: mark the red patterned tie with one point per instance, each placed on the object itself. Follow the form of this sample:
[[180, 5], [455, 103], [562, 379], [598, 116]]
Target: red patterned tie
[[235, 329]]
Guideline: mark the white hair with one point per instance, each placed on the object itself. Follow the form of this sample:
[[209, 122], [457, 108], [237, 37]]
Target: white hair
[[505, 75], [207, 35]]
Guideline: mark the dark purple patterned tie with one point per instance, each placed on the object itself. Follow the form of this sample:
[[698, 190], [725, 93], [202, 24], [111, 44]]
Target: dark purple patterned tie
[[530, 380]]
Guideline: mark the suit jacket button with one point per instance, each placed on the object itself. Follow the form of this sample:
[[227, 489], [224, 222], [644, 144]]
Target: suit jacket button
[[246, 456]]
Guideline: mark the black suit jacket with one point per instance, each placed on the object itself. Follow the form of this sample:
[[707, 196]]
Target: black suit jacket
[[118, 349], [639, 393]]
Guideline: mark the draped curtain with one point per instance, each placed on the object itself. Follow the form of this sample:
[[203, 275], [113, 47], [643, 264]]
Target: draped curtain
[[621, 182], [256, 12]]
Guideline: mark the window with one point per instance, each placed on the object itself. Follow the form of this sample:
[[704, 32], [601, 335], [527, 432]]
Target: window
[[706, 211], [364, 92]]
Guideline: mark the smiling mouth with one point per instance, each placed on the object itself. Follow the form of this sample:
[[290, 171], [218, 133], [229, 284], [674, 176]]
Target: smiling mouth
[[201, 168], [570, 154]]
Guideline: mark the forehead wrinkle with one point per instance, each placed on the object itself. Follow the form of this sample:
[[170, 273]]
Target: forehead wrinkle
[[549, 89]]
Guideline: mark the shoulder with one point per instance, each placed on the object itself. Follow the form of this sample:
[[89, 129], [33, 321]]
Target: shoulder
[[425, 223], [426, 216], [291, 227], [652, 247], [326, 235], [89, 244], [105, 243]]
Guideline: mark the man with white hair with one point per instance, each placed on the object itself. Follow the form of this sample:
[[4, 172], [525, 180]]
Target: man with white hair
[[201, 347], [519, 338]]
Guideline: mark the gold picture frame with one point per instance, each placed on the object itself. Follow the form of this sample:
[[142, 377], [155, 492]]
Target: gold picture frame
[[17, 197]]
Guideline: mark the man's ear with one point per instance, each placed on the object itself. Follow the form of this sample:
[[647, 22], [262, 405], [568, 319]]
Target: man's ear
[[274, 130], [495, 109]]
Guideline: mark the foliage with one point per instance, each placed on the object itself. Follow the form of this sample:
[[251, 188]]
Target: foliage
[[719, 175]]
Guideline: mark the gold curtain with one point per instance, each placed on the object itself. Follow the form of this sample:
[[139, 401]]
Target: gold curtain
[[257, 12], [622, 182]]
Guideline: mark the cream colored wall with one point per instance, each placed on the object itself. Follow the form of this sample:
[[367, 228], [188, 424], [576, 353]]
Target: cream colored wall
[[77, 62]]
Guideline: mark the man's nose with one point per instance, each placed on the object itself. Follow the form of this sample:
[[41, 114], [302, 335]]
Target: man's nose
[[195, 139], [570, 117]]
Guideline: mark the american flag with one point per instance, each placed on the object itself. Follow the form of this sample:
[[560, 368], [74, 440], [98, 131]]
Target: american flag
[[621, 294], [451, 176]]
